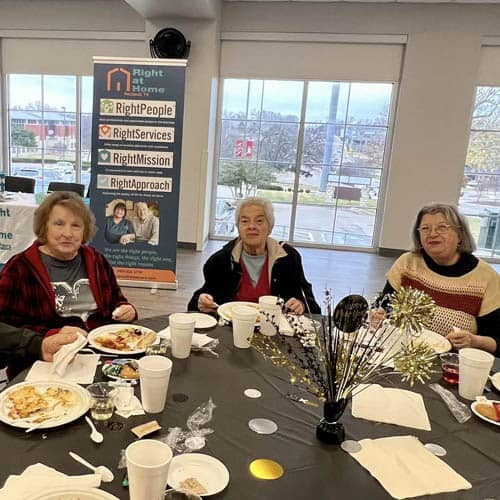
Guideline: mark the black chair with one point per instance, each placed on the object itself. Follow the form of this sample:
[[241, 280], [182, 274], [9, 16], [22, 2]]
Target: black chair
[[66, 186], [19, 184]]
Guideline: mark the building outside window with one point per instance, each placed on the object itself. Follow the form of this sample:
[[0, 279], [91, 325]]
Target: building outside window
[[315, 149], [480, 191], [49, 118]]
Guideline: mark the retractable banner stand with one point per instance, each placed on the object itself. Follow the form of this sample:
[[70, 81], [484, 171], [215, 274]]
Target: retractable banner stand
[[136, 159]]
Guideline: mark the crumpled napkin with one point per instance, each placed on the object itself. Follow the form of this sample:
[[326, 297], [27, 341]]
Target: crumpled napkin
[[126, 403], [390, 406], [39, 477], [406, 469], [80, 371], [66, 354], [199, 339]]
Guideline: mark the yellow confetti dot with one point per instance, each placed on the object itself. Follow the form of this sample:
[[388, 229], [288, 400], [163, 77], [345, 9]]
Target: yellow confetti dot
[[263, 468]]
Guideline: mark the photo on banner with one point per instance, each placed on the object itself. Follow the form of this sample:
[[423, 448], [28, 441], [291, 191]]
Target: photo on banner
[[136, 160]]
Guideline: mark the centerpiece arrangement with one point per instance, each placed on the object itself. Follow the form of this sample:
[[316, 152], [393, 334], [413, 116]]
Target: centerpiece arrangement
[[346, 349]]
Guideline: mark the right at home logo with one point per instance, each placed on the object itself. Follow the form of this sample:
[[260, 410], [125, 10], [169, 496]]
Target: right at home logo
[[119, 80]]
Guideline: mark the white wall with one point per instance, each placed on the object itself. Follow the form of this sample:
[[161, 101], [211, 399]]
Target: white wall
[[439, 72]]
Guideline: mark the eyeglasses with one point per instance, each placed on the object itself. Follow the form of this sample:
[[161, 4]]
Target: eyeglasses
[[439, 228]]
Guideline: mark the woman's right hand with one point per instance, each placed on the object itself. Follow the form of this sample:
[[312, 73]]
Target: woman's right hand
[[206, 303], [376, 317]]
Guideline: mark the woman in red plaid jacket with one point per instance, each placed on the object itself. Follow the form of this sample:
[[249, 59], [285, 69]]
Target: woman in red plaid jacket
[[59, 281]]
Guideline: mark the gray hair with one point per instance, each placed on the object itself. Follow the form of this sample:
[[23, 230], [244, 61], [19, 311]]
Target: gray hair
[[260, 202], [454, 218]]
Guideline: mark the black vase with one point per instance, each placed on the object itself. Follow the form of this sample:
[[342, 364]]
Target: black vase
[[329, 430]]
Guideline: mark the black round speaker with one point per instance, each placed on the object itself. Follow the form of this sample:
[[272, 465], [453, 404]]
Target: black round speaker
[[169, 43]]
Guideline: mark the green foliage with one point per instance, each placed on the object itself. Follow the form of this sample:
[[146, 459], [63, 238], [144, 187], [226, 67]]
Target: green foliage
[[23, 138], [243, 177]]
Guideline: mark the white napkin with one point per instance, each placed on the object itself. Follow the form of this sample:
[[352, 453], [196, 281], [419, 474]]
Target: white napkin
[[199, 339], [39, 477], [80, 371], [406, 469], [126, 403], [66, 354], [391, 406]]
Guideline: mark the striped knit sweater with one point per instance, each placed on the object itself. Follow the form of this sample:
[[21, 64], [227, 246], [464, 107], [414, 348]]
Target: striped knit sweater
[[461, 299]]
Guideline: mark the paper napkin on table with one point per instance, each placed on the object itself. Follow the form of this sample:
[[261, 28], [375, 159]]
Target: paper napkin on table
[[406, 469], [39, 477], [199, 339], [126, 403], [390, 406], [80, 371], [66, 353]]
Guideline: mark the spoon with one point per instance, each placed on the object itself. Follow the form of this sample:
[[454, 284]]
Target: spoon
[[106, 475], [95, 435]]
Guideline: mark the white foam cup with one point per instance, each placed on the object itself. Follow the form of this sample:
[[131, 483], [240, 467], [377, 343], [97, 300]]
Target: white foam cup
[[270, 314], [148, 461], [474, 366], [154, 375], [181, 334], [244, 318]]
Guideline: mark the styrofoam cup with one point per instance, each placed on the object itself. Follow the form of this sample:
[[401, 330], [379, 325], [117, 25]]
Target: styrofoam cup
[[270, 314], [181, 334], [148, 461], [474, 366], [244, 318], [154, 375]]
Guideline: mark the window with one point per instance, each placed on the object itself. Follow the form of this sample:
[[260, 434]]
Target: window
[[50, 128], [315, 149], [480, 192]]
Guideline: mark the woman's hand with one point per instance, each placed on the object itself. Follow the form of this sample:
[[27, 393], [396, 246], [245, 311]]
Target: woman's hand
[[376, 317], [295, 305], [52, 344], [206, 303], [124, 313], [460, 338]]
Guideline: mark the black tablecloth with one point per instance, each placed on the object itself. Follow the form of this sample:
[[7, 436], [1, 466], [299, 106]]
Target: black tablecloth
[[312, 470]]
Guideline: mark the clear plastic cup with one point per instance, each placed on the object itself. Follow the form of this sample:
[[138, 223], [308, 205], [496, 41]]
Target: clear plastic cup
[[101, 400]]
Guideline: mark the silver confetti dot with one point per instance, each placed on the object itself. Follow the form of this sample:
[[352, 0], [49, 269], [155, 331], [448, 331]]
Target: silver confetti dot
[[252, 393], [351, 446], [435, 449], [262, 426]]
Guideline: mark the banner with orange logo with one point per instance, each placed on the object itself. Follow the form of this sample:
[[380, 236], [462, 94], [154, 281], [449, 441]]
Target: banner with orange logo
[[136, 161]]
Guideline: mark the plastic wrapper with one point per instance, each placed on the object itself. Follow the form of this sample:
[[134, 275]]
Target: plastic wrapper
[[459, 410], [194, 438]]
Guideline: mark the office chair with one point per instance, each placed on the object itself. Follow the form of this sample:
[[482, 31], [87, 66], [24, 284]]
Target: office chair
[[19, 184], [66, 186]]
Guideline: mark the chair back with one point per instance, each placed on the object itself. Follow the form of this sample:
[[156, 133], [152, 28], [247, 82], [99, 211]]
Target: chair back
[[19, 184], [66, 186]]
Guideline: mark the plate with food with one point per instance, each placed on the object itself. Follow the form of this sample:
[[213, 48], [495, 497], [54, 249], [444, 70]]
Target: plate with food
[[439, 343], [225, 310], [121, 369], [495, 381], [122, 338], [68, 493], [198, 473], [487, 410], [43, 405]]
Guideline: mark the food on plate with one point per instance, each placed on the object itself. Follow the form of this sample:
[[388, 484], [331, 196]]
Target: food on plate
[[126, 339], [491, 411], [122, 368], [37, 404], [192, 484]]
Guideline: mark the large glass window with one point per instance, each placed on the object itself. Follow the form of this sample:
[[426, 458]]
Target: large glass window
[[315, 149], [45, 141], [480, 191]]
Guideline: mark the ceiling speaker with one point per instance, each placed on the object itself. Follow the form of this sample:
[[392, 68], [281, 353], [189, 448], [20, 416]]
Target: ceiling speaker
[[169, 43]]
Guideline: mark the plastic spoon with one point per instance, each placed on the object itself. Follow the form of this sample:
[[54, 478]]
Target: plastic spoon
[[106, 475], [95, 435]]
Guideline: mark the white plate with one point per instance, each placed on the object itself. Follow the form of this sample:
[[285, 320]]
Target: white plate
[[495, 380], [203, 320], [439, 343], [486, 419], [113, 329], [73, 412], [211, 473], [225, 310], [65, 493]]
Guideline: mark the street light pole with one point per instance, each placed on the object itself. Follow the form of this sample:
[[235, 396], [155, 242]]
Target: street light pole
[[64, 131]]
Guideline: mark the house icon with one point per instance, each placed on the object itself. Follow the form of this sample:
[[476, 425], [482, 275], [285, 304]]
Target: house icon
[[119, 80]]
